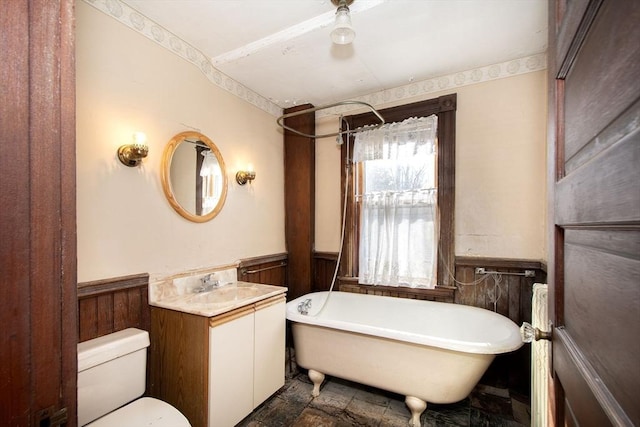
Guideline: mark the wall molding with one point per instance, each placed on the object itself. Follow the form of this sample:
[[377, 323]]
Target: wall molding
[[453, 81], [160, 35], [107, 286]]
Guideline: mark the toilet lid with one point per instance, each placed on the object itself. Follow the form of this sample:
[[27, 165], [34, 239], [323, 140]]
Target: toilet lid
[[143, 412]]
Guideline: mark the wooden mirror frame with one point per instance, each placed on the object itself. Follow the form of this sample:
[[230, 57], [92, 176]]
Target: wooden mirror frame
[[165, 174]]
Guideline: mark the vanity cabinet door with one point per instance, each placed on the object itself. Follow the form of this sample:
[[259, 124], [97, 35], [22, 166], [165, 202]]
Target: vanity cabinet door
[[231, 355], [269, 349]]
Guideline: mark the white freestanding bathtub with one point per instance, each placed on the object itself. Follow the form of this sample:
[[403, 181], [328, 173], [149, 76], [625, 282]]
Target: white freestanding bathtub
[[427, 351]]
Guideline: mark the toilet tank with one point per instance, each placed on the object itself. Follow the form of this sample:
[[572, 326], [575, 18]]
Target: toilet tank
[[111, 372]]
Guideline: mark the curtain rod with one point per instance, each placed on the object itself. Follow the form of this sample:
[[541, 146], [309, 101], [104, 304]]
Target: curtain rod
[[324, 107]]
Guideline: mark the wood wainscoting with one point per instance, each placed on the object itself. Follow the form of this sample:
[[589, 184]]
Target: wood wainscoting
[[324, 267], [110, 305], [514, 292], [439, 294], [269, 269]]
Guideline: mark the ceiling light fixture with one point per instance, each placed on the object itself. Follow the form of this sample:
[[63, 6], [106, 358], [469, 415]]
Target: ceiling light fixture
[[342, 30]]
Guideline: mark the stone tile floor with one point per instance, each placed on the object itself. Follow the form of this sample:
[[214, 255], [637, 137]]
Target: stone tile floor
[[345, 404]]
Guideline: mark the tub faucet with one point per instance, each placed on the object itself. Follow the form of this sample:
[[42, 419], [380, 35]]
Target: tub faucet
[[207, 284], [304, 306]]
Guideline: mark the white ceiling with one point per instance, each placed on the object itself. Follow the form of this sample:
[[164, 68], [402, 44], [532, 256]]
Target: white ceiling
[[281, 50]]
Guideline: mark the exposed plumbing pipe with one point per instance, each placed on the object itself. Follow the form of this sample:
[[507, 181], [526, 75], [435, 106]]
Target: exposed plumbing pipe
[[344, 219]]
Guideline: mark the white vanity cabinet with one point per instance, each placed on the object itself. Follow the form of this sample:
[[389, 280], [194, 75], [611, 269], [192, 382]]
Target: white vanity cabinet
[[246, 360], [216, 370]]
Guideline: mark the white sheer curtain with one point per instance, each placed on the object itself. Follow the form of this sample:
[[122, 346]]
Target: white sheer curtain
[[398, 197]]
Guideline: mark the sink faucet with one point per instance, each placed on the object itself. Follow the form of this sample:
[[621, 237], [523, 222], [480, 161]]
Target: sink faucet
[[207, 284]]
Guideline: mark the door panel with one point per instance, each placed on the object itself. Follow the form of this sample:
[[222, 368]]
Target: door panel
[[601, 75], [574, 381], [602, 190], [596, 282], [38, 301], [595, 279]]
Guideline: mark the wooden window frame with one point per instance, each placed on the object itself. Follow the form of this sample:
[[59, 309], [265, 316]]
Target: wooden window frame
[[445, 108]]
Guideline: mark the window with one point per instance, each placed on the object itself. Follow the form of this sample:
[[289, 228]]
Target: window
[[397, 203], [412, 194]]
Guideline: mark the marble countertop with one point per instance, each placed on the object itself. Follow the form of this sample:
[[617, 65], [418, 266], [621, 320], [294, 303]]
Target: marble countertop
[[219, 300]]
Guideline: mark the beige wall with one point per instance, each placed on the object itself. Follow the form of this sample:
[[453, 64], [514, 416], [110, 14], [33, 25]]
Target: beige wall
[[500, 170], [125, 82]]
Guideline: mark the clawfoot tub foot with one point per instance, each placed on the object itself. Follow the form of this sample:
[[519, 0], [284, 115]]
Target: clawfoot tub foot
[[317, 378], [417, 407]]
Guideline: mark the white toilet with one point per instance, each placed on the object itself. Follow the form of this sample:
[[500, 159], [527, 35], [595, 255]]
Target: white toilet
[[111, 378]]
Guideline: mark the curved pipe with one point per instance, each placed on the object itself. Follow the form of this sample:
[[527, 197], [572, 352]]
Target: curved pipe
[[337, 104]]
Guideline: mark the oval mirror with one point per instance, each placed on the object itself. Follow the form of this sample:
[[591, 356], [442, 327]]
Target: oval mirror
[[194, 178]]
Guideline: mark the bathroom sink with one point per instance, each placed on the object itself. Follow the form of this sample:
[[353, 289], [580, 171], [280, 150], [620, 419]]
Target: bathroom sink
[[215, 300], [225, 295]]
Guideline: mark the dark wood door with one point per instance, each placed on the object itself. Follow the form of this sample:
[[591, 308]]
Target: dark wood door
[[594, 164], [38, 303]]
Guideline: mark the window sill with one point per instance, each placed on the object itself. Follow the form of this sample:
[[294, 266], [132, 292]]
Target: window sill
[[440, 293]]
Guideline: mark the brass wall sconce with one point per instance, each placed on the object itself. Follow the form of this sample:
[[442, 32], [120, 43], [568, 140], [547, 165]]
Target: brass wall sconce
[[242, 177], [132, 154]]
